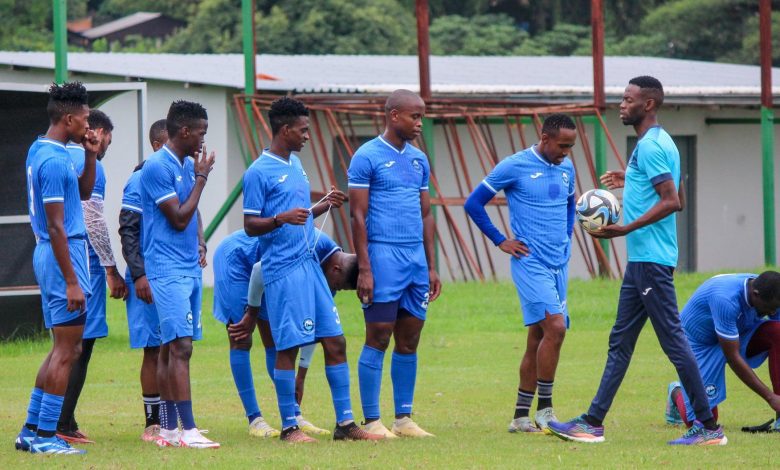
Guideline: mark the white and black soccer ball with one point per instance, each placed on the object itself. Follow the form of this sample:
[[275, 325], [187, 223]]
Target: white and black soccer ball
[[597, 208]]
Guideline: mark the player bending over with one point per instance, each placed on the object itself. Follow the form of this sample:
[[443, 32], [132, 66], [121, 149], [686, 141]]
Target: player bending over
[[731, 319], [539, 184]]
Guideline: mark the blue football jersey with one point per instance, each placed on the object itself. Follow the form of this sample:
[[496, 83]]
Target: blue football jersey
[[77, 154], [720, 308], [654, 160], [131, 201], [241, 252], [167, 251], [325, 246], [394, 179], [273, 185], [52, 178], [538, 194]]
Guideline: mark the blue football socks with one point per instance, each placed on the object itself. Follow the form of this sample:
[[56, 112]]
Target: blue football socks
[[285, 395], [241, 367], [34, 408], [338, 379], [51, 407], [168, 415], [270, 362], [184, 408], [403, 372], [370, 380]]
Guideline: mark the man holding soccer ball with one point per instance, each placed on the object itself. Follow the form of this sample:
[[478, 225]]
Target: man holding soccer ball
[[651, 196]]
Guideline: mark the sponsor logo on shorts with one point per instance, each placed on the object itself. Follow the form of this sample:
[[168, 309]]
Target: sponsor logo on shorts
[[308, 325], [189, 318], [711, 390], [647, 291]]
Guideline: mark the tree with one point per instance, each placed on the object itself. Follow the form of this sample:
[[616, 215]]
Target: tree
[[750, 53], [478, 35]]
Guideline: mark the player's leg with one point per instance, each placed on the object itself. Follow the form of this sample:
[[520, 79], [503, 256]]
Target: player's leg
[[629, 321], [264, 328], [307, 352], [527, 389], [554, 330], [67, 428], [169, 417], [711, 363], [150, 393], [766, 340]]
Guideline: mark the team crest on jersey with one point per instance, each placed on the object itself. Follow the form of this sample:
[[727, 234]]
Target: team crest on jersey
[[565, 178], [308, 325], [711, 390], [189, 318], [416, 165]]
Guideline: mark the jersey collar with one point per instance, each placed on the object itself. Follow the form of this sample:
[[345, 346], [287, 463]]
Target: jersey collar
[[538, 156], [46, 140], [172, 155], [270, 154], [393, 146]]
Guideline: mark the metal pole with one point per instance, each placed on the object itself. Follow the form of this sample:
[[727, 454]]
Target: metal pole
[[599, 101], [248, 39], [767, 136], [423, 48], [60, 19]]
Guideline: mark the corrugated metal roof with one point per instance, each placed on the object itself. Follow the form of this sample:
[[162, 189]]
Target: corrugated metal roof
[[120, 24], [548, 75]]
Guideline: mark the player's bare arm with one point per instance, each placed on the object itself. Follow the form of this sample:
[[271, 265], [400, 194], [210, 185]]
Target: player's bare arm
[[745, 373], [335, 199], [668, 204], [55, 216], [358, 209], [179, 214], [613, 179], [202, 247], [428, 242], [254, 226]]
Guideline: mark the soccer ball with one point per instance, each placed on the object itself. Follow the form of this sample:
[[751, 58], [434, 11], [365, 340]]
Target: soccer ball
[[597, 208]]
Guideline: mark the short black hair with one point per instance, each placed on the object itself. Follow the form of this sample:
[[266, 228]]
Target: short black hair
[[65, 99], [156, 131], [650, 87], [284, 111], [184, 114], [767, 285], [99, 120], [555, 122], [351, 271]]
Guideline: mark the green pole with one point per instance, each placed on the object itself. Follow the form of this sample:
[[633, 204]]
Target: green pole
[[60, 18], [768, 177], [250, 54], [223, 211], [600, 142], [430, 146]]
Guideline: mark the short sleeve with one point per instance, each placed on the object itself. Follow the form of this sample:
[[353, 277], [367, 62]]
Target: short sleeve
[[52, 175], [325, 246], [359, 172], [99, 190], [157, 181], [502, 177], [724, 317], [426, 175], [254, 192], [572, 180], [131, 199], [653, 161]]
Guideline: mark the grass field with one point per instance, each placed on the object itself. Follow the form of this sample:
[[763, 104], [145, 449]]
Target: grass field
[[465, 394]]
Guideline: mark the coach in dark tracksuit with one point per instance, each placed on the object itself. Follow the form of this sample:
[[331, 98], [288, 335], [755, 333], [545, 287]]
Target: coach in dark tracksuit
[[651, 196]]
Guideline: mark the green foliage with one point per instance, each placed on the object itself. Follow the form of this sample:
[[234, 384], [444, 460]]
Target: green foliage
[[749, 53], [113, 9], [478, 35], [564, 39]]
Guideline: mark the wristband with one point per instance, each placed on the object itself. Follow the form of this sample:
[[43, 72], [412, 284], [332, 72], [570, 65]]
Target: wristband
[[276, 223], [202, 176]]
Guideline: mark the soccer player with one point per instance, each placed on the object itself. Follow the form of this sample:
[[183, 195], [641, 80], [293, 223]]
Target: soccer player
[[142, 321], [300, 307], [392, 227], [172, 181], [239, 284], [650, 200], [539, 185], [54, 194], [726, 321], [102, 269]]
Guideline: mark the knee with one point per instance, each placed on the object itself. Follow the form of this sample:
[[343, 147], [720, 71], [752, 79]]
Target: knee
[[335, 347], [181, 350], [379, 338], [244, 345], [407, 344]]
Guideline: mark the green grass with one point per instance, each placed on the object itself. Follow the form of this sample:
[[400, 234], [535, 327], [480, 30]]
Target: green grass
[[469, 354]]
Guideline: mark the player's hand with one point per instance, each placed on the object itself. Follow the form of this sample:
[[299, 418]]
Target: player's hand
[[609, 231], [515, 248], [75, 296], [242, 330], [336, 198], [365, 287], [435, 285], [613, 179], [116, 285], [91, 142], [774, 402], [143, 290], [202, 255], [297, 216], [203, 164]]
